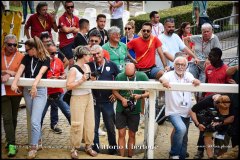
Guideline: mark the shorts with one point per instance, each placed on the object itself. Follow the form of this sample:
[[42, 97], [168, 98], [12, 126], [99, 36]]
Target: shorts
[[67, 51], [151, 72], [127, 120]]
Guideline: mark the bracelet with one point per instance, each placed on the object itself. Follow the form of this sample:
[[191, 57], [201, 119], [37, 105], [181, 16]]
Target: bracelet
[[197, 124]]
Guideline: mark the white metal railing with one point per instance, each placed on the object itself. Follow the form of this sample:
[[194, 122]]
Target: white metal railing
[[151, 86]]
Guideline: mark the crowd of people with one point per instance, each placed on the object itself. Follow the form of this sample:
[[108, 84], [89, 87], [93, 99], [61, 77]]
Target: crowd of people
[[116, 54]]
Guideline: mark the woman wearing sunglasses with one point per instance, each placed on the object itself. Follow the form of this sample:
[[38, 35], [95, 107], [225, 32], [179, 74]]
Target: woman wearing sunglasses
[[34, 65], [129, 35]]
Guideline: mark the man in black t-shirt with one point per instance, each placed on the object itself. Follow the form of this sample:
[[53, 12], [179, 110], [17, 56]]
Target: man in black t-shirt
[[214, 113], [104, 70], [101, 22]]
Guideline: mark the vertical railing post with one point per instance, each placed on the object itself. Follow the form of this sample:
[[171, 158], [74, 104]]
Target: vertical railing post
[[151, 119]]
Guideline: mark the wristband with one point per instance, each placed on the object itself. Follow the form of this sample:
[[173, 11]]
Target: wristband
[[197, 124]]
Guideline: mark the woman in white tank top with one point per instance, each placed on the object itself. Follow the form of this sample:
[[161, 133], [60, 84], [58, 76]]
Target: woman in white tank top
[[81, 104]]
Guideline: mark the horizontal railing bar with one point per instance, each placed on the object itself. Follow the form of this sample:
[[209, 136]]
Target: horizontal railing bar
[[140, 85]]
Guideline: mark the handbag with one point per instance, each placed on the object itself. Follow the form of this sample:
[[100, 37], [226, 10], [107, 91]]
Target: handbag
[[68, 94]]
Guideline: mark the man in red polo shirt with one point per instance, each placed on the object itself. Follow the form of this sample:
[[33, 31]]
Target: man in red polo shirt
[[40, 21], [69, 27], [216, 71], [145, 47]]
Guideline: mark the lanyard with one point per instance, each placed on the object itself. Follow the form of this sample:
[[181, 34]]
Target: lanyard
[[99, 66], [43, 25], [54, 66], [132, 91], [204, 5], [5, 60], [70, 22], [114, 51], [33, 69]]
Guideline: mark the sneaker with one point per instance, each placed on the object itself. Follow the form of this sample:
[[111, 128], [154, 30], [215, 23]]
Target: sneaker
[[101, 132], [12, 150], [56, 130], [32, 154], [173, 157], [198, 155]]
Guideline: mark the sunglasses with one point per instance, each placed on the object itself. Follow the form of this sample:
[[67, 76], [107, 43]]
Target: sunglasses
[[28, 49], [217, 102], [146, 30], [126, 28], [52, 53], [156, 17], [68, 7], [11, 44], [95, 41]]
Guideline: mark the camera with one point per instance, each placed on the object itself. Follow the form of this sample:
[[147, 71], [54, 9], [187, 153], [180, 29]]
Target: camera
[[97, 72], [130, 105], [206, 117]]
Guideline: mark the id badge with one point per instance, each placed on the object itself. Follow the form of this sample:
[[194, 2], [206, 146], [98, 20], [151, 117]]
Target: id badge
[[69, 35], [120, 67], [204, 13], [219, 136]]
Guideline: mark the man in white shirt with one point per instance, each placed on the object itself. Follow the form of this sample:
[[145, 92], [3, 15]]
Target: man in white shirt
[[178, 104], [172, 43]]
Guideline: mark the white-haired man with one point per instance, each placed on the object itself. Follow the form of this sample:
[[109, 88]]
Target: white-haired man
[[178, 104]]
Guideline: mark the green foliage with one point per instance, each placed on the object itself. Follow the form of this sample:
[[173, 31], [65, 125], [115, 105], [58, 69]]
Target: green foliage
[[216, 10]]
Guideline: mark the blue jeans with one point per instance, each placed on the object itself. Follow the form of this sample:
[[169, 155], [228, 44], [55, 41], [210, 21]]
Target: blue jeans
[[54, 110], [35, 109], [180, 137], [109, 121], [25, 10]]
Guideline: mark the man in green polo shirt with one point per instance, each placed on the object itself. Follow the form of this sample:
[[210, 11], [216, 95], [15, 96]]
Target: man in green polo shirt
[[129, 108]]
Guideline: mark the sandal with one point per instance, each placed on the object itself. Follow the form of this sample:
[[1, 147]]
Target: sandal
[[74, 154], [91, 152]]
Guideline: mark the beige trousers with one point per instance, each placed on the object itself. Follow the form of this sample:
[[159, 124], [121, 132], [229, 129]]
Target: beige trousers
[[82, 116]]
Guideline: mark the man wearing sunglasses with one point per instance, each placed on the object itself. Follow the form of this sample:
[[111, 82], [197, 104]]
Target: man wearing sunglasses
[[129, 108], [104, 70], [55, 95], [145, 47], [10, 101], [95, 39], [223, 108], [69, 27]]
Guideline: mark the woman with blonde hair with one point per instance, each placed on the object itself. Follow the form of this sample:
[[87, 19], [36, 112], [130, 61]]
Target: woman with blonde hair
[[81, 104], [129, 35], [34, 65]]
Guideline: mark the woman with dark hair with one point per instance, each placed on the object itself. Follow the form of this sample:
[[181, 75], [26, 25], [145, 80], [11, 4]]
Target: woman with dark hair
[[41, 21], [81, 104], [34, 65], [184, 31]]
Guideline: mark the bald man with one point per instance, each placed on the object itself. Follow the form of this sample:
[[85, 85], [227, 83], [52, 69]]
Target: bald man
[[129, 108]]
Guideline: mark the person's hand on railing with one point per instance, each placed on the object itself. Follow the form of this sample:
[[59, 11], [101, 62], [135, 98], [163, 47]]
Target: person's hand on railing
[[196, 82]]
